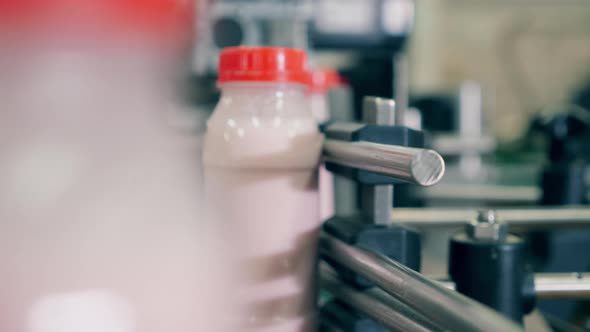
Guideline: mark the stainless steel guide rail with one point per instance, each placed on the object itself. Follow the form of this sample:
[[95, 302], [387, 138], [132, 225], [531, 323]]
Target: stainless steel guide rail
[[374, 303], [446, 308], [562, 285], [537, 218], [575, 285], [418, 166]]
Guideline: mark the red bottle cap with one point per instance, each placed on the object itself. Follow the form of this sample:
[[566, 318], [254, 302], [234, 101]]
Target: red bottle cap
[[262, 64], [321, 80]]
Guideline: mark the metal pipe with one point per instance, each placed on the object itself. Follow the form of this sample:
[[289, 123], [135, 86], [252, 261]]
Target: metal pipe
[[491, 194], [419, 166], [444, 307], [562, 285], [376, 304], [550, 285], [542, 218]]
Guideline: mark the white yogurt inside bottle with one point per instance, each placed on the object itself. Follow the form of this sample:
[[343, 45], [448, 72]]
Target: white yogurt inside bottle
[[261, 154]]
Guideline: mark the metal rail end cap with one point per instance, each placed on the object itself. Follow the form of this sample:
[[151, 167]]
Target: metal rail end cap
[[428, 168]]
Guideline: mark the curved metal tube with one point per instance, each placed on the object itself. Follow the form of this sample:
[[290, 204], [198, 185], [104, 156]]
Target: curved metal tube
[[444, 307], [383, 308]]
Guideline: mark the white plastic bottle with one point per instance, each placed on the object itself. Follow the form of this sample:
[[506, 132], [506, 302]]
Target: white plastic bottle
[[261, 153], [101, 226]]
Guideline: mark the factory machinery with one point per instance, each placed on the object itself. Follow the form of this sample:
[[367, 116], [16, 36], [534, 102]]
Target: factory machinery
[[370, 262], [370, 258]]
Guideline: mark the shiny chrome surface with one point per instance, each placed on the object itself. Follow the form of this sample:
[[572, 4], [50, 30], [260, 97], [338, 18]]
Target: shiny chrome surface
[[538, 218], [374, 303], [476, 193], [379, 111], [446, 308], [418, 166], [562, 285], [550, 285]]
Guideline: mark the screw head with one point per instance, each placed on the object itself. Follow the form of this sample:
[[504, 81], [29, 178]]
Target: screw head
[[487, 227], [487, 216]]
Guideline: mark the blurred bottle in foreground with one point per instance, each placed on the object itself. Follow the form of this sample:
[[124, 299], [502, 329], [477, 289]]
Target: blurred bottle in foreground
[[100, 220]]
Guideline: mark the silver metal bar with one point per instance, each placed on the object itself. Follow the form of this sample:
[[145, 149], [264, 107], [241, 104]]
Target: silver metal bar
[[562, 285], [444, 307], [550, 285], [377, 200], [402, 87], [341, 111], [494, 194], [538, 218], [419, 166], [377, 305], [379, 111]]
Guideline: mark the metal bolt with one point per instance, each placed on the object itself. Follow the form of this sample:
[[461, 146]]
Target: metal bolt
[[487, 227], [487, 216]]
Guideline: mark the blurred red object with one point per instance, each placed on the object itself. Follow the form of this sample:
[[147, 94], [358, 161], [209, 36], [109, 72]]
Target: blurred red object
[[169, 20], [321, 80]]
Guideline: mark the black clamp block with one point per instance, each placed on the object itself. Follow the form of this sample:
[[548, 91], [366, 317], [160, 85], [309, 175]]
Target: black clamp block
[[390, 135], [529, 295], [336, 314], [493, 273], [395, 242]]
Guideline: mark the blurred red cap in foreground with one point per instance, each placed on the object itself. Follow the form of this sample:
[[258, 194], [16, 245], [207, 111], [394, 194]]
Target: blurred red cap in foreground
[[152, 19]]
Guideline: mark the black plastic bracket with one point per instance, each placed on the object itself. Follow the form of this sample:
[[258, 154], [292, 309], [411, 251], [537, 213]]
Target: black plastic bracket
[[390, 135], [395, 242]]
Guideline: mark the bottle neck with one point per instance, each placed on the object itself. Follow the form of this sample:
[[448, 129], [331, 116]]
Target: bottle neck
[[262, 88], [262, 99]]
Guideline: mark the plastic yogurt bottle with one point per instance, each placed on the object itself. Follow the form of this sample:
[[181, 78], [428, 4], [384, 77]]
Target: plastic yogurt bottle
[[261, 153]]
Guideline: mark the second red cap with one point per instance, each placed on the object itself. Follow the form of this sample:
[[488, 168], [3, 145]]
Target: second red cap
[[322, 80], [262, 64]]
